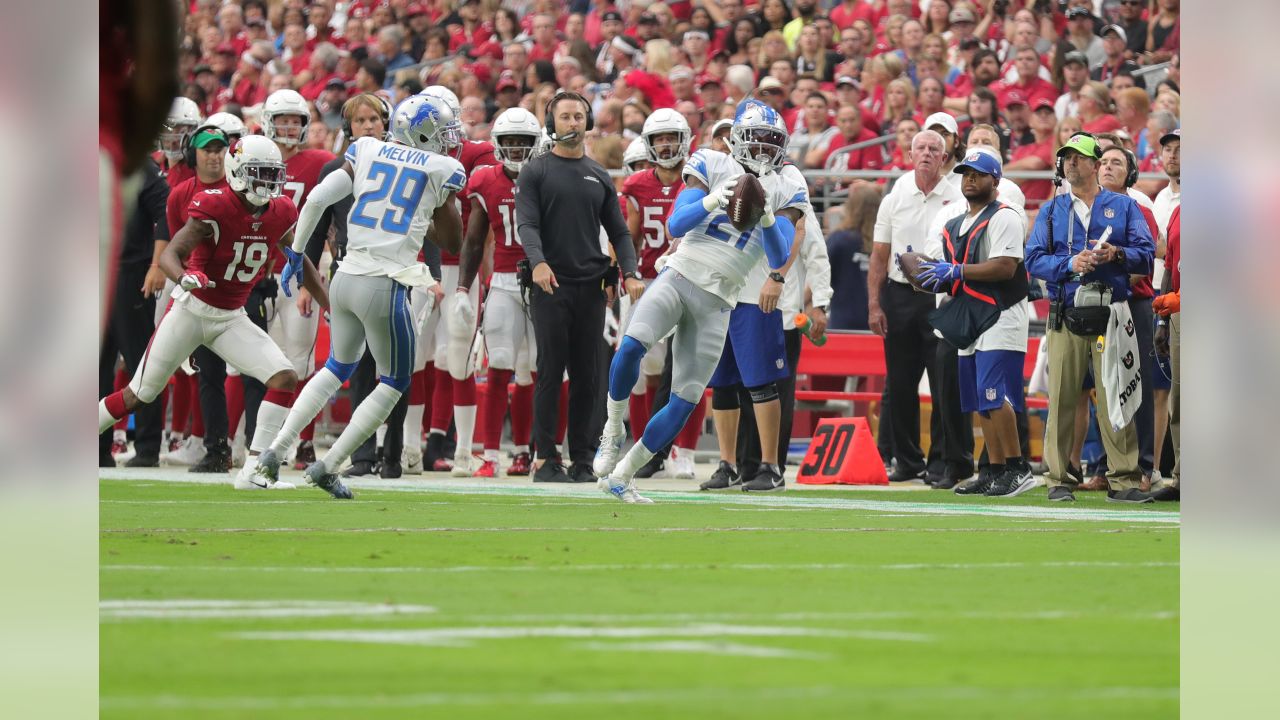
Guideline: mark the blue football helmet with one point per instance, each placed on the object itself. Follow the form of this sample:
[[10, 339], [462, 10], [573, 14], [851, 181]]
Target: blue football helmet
[[758, 137]]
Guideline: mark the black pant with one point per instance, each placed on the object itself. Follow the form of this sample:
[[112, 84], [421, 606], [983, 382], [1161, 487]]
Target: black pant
[[955, 452], [363, 382], [131, 325], [213, 396], [748, 455], [567, 326], [910, 350]]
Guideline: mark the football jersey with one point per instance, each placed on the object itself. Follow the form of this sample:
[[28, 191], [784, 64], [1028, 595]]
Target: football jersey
[[654, 201], [395, 190], [301, 174], [180, 198], [496, 192], [175, 175], [475, 154], [714, 254], [236, 257]]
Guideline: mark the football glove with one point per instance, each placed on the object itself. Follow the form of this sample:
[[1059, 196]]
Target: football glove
[[193, 279], [464, 315], [938, 274], [1167, 304], [294, 268], [719, 197]]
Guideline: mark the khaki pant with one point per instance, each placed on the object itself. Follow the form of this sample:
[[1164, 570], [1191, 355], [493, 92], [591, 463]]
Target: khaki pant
[[1069, 357], [1175, 394]]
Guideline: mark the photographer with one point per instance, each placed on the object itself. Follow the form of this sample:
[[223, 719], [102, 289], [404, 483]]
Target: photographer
[[563, 198], [1085, 247]]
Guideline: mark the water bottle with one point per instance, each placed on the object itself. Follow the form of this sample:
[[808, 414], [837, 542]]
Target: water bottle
[[804, 325]]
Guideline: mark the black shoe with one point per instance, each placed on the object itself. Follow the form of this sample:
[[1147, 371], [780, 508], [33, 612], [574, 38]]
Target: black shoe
[[216, 460], [1014, 481], [724, 478], [1132, 495], [1171, 493], [651, 468], [581, 473], [932, 479], [305, 456], [978, 485], [105, 460], [143, 461], [766, 479], [1061, 493], [434, 451], [1075, 472], [361, 468], [390, 469], [900, 475], [552, 471]]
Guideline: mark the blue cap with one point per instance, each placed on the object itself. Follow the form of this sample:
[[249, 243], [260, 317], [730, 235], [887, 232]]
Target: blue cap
[[981, 159]]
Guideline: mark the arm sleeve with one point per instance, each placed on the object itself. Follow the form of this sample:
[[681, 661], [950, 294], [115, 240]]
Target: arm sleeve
[[1040, 263], [616, 227], [777, 242], [688, 211], [1140, 247], [528, 212], [335, 186], [315, 243]]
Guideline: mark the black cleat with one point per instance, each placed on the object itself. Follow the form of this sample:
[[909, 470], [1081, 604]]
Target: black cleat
[[391, 469], [651, 468], [305, 456], [978, 485], [552, 471], [724, 478], [1061, 493], [217, 459], [766, 479], [581, 473], [143, 461], [327, 481], [1132, 496], [359, 469]]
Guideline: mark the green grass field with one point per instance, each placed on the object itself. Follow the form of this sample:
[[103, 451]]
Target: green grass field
[[428, 598]]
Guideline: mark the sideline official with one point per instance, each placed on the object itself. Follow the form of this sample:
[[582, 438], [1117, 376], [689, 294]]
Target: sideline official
[[563, 198]]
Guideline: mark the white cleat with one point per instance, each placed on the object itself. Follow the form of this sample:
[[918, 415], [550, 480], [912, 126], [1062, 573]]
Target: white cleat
[[682, 463], [624, 491], [606, 458], [464, 464], [238, 455], [251, 478], [190, 452], [411, 460]]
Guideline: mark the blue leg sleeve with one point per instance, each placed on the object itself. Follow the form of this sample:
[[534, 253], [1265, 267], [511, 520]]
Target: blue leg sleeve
[[340, 369], [667, 423], [777, 241], [625, 369], [399, 382]]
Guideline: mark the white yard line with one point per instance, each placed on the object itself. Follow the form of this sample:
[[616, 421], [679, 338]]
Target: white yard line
[[703, 647], [652, 530], [522, 488], [185, 609]]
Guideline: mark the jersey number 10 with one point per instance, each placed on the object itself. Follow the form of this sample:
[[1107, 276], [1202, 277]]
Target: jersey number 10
[[405, 192]]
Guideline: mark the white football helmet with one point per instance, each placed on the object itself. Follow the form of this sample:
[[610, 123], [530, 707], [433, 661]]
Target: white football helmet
[[421, 122], [254, 169], [285, 102], [453, 135], [184, 117], [661, 122], [544, 144], [516, 135], [228, 123], [637, 151], [758, 137]]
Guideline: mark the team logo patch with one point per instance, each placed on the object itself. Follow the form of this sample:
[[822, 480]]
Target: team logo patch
[[666, 190], [1108, 213], [1127, 361], [991, 393], [256, 226], [588, 177], [779, 363], [1128, 328]]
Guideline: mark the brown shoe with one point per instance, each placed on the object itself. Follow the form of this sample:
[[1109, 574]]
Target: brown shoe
[[1096, 483]]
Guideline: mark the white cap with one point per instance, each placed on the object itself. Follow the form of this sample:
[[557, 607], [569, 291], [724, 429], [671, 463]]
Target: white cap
[[947, 122]]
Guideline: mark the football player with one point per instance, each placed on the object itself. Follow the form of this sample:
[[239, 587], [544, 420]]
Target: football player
[[399, 187], [508, 331], [650, 194], [699, 285], [455, 384], [216, 259], [636, 158]]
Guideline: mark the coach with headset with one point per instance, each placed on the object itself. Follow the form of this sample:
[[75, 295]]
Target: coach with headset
[[563, 198], [1085, 245]]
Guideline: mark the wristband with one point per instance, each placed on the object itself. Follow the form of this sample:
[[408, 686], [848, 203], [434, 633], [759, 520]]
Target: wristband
[[777, 277]]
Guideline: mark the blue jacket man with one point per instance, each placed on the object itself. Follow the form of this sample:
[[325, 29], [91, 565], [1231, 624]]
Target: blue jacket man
[[1129, 235]]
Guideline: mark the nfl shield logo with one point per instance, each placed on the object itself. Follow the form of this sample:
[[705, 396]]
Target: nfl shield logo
[[256, 226], [991, 393], [1108, 213]]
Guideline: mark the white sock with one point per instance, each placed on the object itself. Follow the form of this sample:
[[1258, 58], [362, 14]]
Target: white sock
[[105, 420], [613, 422], [309, 403], [490, 455], [270, 417], [522, 449], [368, 416], [381, 432], [413, 426], [635, 459], [119, 436], [464, 416]]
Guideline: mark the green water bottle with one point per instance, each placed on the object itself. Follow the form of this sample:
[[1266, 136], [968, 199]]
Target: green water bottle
[[804, 325]]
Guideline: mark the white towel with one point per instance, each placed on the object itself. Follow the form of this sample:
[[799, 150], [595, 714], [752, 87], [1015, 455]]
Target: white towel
[[1121, 367]]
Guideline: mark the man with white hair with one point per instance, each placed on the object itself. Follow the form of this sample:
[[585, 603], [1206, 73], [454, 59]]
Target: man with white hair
[[895, 310]]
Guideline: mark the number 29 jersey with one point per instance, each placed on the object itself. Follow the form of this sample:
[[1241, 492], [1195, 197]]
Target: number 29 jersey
[[716, 255], [235, 257], [395, 190]]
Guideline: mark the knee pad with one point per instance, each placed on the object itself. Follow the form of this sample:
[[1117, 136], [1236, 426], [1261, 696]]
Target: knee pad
[[725, 398], [763, 393], [631, 350], [400, 382], [340, 369]]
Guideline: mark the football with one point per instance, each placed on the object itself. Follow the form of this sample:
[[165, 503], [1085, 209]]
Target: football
[[746, 204], [910, 263]]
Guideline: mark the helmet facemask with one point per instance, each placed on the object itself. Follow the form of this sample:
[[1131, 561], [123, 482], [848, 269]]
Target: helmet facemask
[[283, 134], [668, 153], [261, 181], [514, 150], [452, 137], [760, 149], [173, 140]]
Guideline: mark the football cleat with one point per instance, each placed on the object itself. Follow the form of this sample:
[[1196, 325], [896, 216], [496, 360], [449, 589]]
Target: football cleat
[[411, 459], [238, 454], [463, 465], [520, 465], [329, 482], [249, 478], [442, 465], [682, 464], [487, 469], [305, 456], [606, 458], [119, 447], [190, 452], [174, 442], [624, 491]]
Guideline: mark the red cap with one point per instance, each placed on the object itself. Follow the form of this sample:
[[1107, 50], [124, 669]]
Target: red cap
[[415, 9], [506, 80], [225, 48], [1013, 97], [490, 49], [708, 79], [1042, 102], [480, 70]]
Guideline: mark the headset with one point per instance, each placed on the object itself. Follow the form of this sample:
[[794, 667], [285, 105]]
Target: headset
[[189, 152], [549, 121], [346, 114], [1131, 160]]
